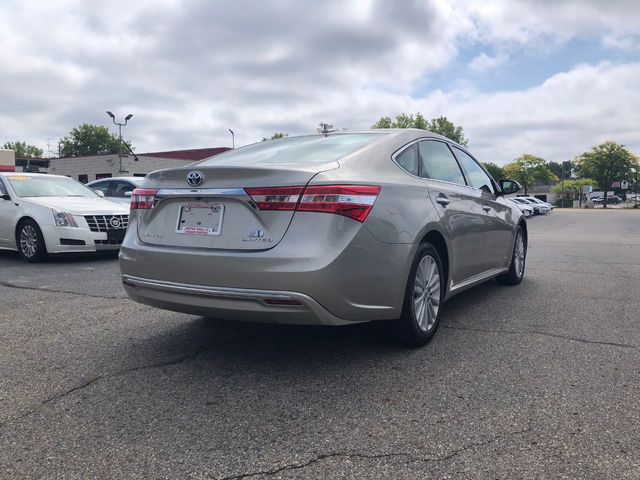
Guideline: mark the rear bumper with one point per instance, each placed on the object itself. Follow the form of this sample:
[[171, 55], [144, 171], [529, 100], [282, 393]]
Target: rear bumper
[[339, 273], [230, 303]]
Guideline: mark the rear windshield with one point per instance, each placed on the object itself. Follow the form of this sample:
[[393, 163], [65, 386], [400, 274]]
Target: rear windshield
[[295, 151]]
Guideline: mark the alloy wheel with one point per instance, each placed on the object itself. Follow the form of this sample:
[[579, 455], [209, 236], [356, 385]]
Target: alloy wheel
[[518, 255], [426, 293], [28, 241]]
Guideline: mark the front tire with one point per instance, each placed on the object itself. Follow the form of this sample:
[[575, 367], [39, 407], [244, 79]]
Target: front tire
[[30, 242], [422, 300], [518, 261]]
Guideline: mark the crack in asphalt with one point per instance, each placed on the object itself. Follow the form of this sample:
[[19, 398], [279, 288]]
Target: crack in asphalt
[[167, 363], [4, 283], [373, 456], [544, 334]]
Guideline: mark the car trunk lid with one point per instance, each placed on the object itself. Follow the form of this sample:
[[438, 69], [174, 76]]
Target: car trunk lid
[[215, 211]]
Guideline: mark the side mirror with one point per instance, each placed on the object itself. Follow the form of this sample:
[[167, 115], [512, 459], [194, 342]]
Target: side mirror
[[100, 193], [509, 186], [5, 196], [128, 194]]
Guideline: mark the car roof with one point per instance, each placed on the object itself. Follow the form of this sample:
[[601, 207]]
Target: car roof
[[128, 179]]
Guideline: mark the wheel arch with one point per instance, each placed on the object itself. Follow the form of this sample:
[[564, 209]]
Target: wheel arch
[[435, 238], [19, 223], [523, 224]]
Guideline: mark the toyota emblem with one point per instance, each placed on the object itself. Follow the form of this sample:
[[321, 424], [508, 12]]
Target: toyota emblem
[[115, 222], [195, 178]]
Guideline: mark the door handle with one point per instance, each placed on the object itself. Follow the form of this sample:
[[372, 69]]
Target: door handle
[[442, 200], [486, 208]]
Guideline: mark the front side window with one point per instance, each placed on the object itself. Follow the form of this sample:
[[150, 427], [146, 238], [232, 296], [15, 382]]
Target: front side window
[[477, 176], [102, 186], [408, 159], [120, 188], [3, 191], [438, 163]]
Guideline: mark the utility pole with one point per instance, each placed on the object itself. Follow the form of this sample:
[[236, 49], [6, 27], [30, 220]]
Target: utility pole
[[233, 139]]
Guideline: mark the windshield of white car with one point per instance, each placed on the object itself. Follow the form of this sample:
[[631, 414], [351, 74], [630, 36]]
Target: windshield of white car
[[314, 149], [45, 186]]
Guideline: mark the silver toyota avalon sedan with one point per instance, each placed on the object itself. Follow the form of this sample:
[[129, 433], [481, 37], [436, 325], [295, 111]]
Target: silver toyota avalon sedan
[[324, 229]]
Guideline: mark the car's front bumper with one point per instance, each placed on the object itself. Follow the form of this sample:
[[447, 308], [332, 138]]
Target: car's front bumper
[[74, 239]]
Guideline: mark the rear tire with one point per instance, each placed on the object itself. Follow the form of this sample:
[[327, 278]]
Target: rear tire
[[518, 261], [30, 242], [422, 300]]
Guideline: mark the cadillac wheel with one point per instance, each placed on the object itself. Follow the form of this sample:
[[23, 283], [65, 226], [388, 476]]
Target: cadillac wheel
[[30, 242]]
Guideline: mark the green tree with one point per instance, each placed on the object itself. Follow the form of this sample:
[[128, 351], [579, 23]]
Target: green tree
[[90, 140], [573, 187], [496, 171], [556, 169], [606, 163], [23, 150], [440, 125], [275, 136], [528, 170], [444, 127]]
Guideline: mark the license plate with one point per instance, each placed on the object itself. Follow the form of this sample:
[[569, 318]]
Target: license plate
[[200, 219], [115, 236]]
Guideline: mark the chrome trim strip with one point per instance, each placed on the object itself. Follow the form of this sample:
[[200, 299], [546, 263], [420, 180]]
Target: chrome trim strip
[[480, 277], [200, 192], [209, 291], [236, 193]]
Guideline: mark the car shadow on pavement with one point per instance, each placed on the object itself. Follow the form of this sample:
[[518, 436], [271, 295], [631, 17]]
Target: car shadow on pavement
[[13, 257]]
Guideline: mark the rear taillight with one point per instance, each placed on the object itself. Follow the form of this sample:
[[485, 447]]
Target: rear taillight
[[143, 198], [275, 198], [353, 201]]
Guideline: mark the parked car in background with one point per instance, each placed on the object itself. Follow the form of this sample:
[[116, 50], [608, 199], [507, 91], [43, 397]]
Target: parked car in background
[[116, 188], [538, 208], [42, 214], [524, 207], [539, 202], [334, 228]]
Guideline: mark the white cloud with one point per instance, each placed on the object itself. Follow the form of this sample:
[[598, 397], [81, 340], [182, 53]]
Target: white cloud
[[484, 62], [190, 70]]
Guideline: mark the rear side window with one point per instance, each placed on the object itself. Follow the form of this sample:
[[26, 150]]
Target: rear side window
[[477, 176], [438, 163], [408, 159], [316, 149]]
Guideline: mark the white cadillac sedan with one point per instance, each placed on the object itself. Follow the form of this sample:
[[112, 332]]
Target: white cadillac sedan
[[42, 214]]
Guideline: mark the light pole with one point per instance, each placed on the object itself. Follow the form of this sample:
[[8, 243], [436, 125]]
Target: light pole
[[233, 139], [634, 170], [120, 125]]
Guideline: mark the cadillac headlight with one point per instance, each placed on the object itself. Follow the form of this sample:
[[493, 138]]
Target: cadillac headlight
[[64, 219]]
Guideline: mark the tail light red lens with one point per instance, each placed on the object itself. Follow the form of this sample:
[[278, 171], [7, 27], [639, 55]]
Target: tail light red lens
[[353, 201], [275, 198], [143, 198]]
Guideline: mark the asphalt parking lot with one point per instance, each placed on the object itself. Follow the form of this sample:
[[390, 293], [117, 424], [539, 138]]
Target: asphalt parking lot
[[536, 381]]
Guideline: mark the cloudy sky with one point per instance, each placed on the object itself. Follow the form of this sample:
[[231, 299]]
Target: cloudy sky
[[547, 77]]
